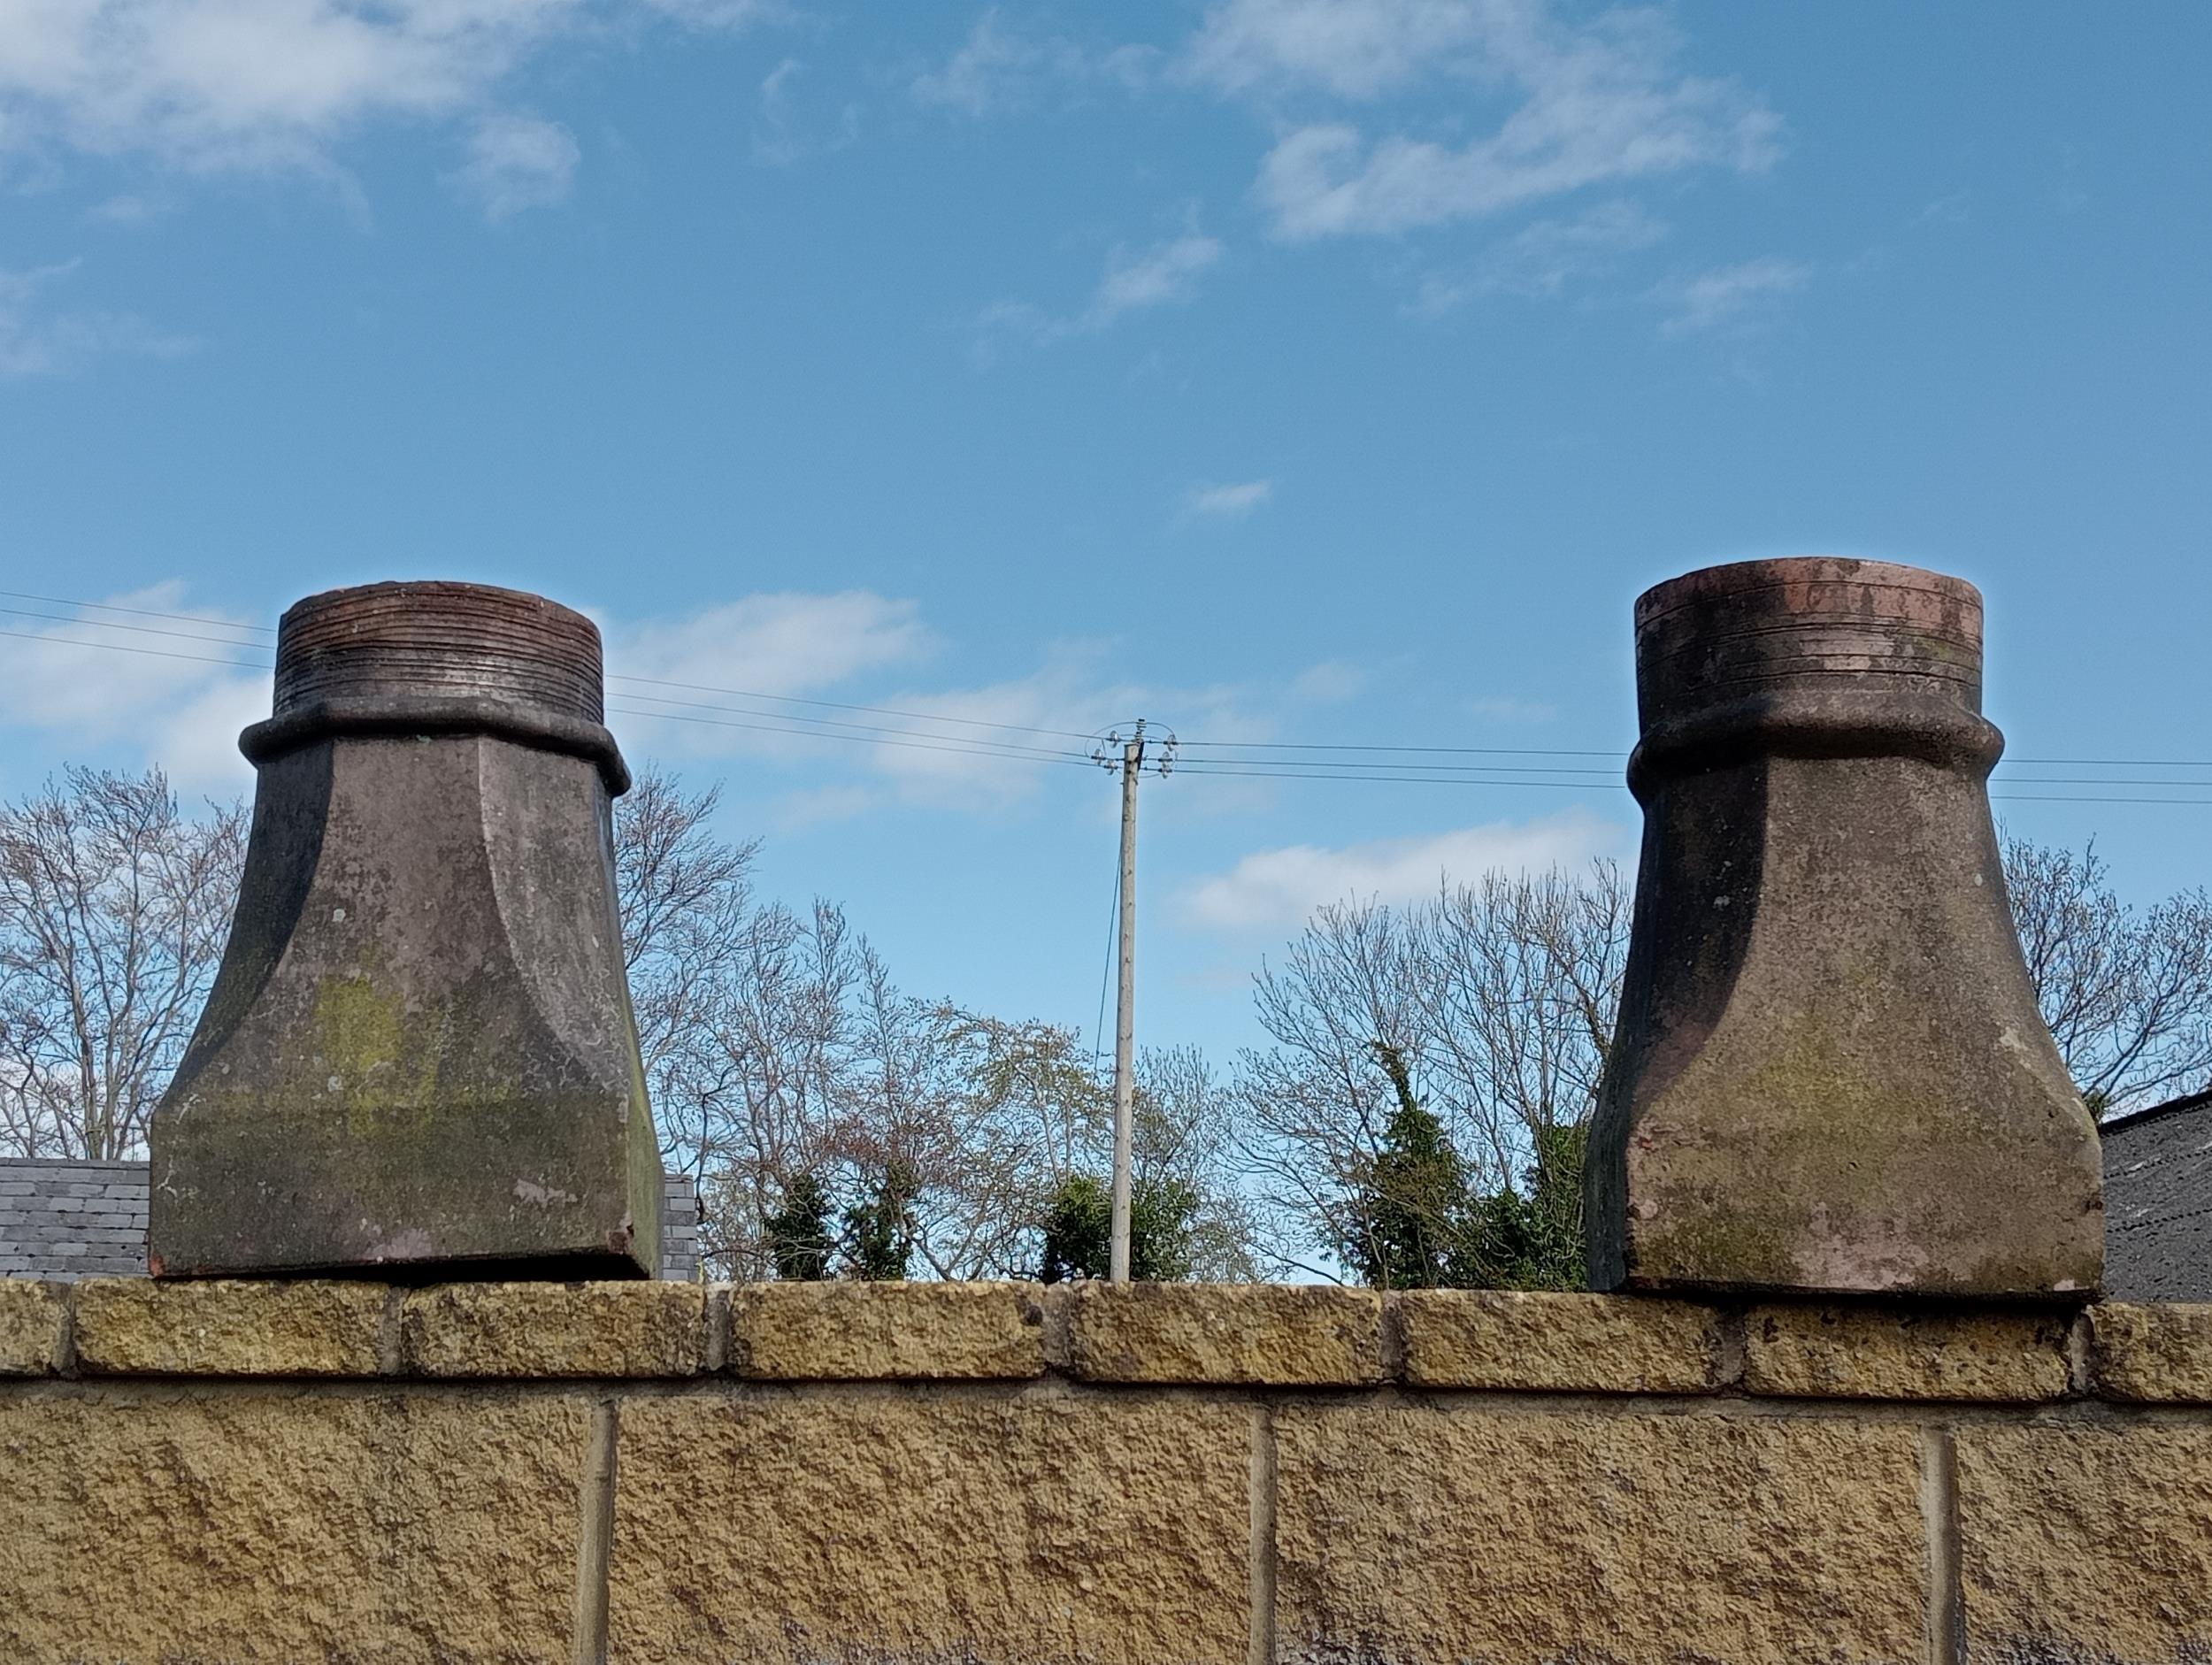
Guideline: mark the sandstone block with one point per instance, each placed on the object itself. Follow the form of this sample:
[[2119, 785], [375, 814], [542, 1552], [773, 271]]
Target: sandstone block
[[2086, 1543], [1877, 1353], [556, 1330], [1543, 1342], [871, 1525], [1277, 1334], [1423, 1533], [30, 1326], [2152, 1354], [887, 1331], [276, 1528], [135, 1326]]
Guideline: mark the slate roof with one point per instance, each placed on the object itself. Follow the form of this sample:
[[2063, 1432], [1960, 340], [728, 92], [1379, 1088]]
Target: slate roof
[[67, 1220], [2158, 1201]]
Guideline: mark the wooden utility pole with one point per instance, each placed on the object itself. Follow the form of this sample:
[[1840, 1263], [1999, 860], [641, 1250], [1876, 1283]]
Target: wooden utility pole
[[1129, 757], [1125, 1007]]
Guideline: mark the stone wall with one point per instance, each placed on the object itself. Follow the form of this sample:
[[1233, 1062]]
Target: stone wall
[[652, 1472]]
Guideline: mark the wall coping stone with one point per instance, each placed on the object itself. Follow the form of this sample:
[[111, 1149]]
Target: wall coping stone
[[134, 1326], [1832, 1352], [885, 1332], [1520, 1341], [1291, 1335], [2152, 1354], [1260, 1336], [31, 1317], [555, 1330]]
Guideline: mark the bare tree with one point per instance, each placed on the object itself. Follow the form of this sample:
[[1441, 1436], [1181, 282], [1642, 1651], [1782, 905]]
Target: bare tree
[[1496, 1001], [2127, 992], [114, 908]]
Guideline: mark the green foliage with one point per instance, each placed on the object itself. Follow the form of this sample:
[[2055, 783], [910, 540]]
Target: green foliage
[[1415, 1220], [1410, 1212], [1078, 1231], [1531, 1238], [797, 1234], [880, 1229]]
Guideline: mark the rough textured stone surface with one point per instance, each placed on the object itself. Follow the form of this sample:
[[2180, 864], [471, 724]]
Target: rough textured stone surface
[[828, 1332], [1828, 1075], [861, 1524], [2152, 1354], [555, 1330], [30, 1326], [283, 1527], [256, 1327], [2086, 1546], [1282, 1334], [1882, 1353], [1419, 1534], [1558, 1343], [419, 1050]]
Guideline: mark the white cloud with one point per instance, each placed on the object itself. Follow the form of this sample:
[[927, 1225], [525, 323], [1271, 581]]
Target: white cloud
[[163, 701], [1229, 502], [1164, 274], [205, 85], [784, 643], [1596, 103], [516, 162], [1735, 294], [995, 69], [780, 136], [1330, 682], [1279, 889], [1540, 260], [39, 339], [1355, 49]]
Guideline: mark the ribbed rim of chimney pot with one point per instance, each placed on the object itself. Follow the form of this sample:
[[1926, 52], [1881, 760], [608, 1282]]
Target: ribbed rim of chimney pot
[[1810, 656], [437, 657], [1723, 631]]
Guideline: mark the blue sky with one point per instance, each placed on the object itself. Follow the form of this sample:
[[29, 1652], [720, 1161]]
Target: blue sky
[[1283, 372]]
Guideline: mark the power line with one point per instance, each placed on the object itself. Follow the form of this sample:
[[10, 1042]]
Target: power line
[[1486, 751], [151, 653], [838, 705], [1009, 748], [138, 612], [142, 630], [1330, 762], [980, 748]]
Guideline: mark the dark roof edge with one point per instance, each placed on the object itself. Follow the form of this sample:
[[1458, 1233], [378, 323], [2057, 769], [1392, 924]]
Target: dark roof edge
[[2171, 1107]]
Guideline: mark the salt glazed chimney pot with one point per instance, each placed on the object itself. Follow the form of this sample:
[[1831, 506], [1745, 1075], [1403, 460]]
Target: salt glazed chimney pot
[[1830, 1076], [418, 1058]]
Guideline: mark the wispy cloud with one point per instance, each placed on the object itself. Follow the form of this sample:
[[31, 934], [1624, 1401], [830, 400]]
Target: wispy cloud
[[516, 162], [997, 69], [40, 337], [1331, 682], [1732, 297], [172, 704], [1229, 503], [1598, 101], [211, 85], [780, 135], [1164, 274], [1540, 260], [784, 643], [1278, 889]]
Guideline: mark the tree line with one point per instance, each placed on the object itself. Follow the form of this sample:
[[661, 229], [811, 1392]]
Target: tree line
[[1415, 1117]]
